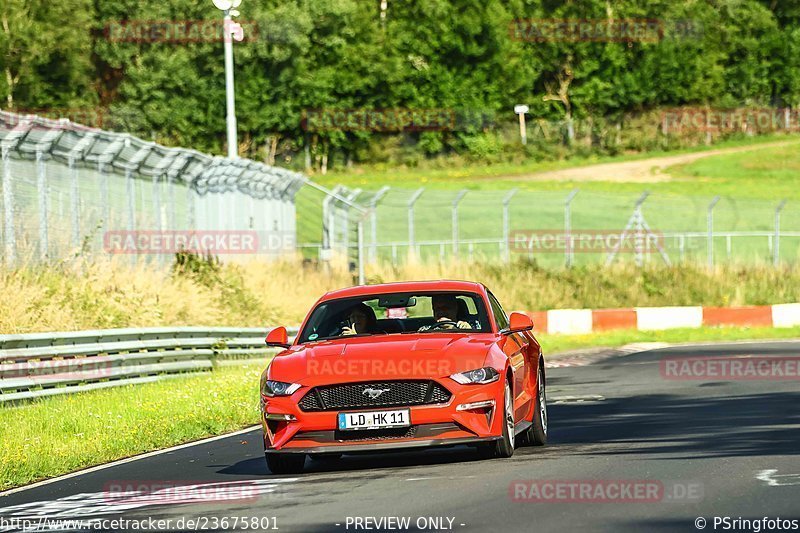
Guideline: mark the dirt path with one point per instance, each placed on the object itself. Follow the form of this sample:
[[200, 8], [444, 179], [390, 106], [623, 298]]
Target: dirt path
[[643, 170]]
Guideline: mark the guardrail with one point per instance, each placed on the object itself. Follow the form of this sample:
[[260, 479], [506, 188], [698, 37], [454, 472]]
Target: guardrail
[[46, 364]]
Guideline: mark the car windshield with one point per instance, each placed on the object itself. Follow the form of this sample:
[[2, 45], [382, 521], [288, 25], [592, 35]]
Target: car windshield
[[396, 313]]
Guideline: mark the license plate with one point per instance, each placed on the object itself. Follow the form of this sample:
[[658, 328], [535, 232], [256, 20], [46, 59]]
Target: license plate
[[375, 420]]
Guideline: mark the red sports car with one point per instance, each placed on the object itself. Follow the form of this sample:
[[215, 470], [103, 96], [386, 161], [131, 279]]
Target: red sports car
[[403, 365]]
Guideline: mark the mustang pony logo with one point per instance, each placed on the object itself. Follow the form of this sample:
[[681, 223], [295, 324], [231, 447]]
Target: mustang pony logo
[[374, 393]]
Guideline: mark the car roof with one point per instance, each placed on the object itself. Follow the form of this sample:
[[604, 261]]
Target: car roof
[[405, 286]]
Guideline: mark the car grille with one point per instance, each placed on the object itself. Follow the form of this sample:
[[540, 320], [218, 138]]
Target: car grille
[[352, 395]]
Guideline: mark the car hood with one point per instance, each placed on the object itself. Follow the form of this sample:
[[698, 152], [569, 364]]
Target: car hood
[[384, 357]]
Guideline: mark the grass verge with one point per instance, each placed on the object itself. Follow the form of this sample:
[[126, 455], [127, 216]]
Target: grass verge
[[58, 435], [260, 294]]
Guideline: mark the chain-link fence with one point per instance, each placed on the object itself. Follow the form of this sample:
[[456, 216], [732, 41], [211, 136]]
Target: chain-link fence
[[70, 189], [559, 228]]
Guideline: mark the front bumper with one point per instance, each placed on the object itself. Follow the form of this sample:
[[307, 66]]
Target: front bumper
[[431, 425], [384, 446]]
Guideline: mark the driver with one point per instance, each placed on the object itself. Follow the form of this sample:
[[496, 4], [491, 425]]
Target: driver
[[445, 309]]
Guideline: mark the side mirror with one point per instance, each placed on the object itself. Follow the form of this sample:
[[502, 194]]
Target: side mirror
[[278, 337], [518, 322]]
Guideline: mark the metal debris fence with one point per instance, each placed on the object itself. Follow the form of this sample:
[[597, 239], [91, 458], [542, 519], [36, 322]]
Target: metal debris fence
[[66, 187]]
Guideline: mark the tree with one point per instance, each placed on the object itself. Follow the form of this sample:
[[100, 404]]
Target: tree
[[46, 62]]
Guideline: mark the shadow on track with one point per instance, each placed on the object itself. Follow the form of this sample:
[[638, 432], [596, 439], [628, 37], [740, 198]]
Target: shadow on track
[[364, 462], [722, 426]]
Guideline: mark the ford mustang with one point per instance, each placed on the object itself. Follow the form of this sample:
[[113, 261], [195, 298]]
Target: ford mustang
[[399, 366]]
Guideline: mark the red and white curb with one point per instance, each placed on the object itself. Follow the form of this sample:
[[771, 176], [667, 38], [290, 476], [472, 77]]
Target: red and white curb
[[584, 321]]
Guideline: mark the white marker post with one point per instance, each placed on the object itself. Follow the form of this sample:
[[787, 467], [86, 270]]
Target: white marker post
[[521, 110]]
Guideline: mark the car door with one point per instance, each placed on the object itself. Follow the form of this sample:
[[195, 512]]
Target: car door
[[517, 349]]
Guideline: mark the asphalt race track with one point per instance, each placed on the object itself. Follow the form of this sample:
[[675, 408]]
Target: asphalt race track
[[724, 448]]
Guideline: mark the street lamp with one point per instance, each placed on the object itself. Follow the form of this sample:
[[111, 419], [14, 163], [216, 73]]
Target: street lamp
[[520, 110], [228, 7]]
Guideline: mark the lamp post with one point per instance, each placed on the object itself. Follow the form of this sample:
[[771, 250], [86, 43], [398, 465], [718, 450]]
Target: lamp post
[[520, 110], [228, 7]]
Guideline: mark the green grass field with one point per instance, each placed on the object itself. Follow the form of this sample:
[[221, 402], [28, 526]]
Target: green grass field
[[444, 175], [750, 184]]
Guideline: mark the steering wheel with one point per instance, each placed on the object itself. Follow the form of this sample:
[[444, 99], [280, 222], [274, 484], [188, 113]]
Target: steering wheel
[[437, 325]]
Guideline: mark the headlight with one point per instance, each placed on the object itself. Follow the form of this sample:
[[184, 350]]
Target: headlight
[[279, 388], [479, 376]]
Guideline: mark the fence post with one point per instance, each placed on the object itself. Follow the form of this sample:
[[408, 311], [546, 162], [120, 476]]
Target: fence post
[[569, 252], [42, 193], [173, 215], [157, 203], [74, 196], [710, 227], [373, 217], [191, 221], [507, 223], [77, 152], [346, 235], [329, 220], [454, 216], [776, 258], [104, 196], [634, 222], [130, 192], [411, 202], [8, 208], [361, 259]]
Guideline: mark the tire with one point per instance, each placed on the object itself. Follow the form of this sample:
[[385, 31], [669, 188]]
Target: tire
[[505, 446], [536, 434], [280, 463]]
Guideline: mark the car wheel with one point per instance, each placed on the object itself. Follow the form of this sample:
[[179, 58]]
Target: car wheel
[[505, 446], [536, 434], [285, 463]]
